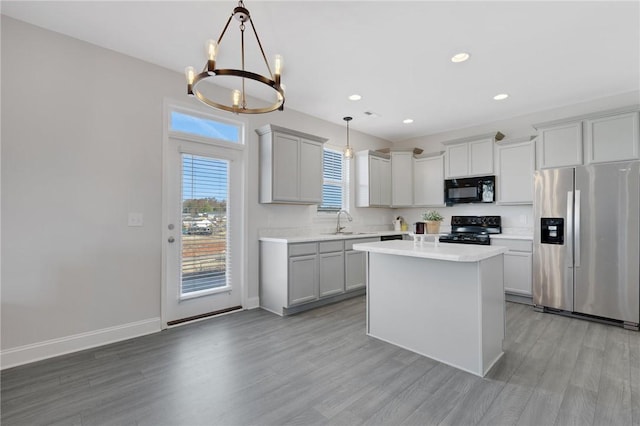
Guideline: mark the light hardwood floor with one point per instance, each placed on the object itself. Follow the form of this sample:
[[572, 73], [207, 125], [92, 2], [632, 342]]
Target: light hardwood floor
[[319, 367]]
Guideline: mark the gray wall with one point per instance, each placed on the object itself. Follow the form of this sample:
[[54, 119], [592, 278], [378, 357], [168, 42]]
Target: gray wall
[[81, 147]]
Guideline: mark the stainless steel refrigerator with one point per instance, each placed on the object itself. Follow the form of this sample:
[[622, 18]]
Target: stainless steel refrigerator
[[586, 256]]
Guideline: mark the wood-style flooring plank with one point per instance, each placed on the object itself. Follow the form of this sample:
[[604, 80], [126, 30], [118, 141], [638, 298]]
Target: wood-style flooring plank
[[614, 391], [320, 368]]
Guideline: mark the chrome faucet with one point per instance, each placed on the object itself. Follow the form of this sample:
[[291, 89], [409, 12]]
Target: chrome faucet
[[338, 227]]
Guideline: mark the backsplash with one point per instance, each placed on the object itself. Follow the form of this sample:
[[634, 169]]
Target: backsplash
[[293, 220], [515, 219]]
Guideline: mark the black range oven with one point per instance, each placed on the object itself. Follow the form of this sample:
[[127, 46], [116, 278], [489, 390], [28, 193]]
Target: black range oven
[[472, 229]]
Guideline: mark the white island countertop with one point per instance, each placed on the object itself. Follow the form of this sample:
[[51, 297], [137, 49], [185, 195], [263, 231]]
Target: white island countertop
[[428, 250], [328, 236]]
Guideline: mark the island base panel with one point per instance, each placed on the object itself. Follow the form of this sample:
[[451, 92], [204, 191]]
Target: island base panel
[[452, 312]]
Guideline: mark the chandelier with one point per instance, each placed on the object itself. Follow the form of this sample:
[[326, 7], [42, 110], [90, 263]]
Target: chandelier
[[238, 103]]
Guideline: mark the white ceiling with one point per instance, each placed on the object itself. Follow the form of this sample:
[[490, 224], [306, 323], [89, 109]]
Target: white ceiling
[[544, 54]]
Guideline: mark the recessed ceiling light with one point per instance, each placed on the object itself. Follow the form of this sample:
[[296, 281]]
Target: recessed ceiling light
[[355, 97], [500, 96], [407, 121], [460, 57]]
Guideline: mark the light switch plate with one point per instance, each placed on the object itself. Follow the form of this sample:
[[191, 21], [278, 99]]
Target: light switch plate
[[135, 219]]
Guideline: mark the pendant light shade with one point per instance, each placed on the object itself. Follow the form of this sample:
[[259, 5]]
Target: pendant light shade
[[348, 151]]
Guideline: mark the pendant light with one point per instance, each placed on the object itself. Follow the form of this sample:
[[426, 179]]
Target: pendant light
[[348, 151]]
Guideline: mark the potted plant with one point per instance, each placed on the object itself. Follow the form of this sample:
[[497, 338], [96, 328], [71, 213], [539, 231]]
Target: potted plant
[[433, 219]]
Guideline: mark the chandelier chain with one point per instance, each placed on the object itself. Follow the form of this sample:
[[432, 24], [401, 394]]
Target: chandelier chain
[[253, 27], [244, 100]]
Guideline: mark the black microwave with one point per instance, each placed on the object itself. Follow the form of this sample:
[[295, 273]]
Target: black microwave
[[469, 190]]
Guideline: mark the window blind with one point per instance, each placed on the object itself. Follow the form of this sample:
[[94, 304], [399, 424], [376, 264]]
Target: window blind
[[334, 182], [204, 223]]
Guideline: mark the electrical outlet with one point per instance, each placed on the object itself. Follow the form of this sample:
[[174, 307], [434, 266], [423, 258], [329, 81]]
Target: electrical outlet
[[135, 219]]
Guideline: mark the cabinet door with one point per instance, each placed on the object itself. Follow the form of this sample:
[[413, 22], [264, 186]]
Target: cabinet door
[[375, 181], [285, 167], [428, 184], [560, 146], [515, 173], [355, 269], [481, 157], [385, 182], [612, 138], [331, 273], [457, 160], [303, 279], [517, 273], [401, 179], [310, 179]]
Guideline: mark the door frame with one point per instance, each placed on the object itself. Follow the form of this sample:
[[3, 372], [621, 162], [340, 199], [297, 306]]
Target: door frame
[[169, 105]]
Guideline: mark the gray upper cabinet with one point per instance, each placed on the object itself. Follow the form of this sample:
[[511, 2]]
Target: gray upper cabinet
[[402, 178], [612, 138], [560, 145], [469, 157], [595, 138], [373, 179], [290, 166], [515, 162], [428, 175]]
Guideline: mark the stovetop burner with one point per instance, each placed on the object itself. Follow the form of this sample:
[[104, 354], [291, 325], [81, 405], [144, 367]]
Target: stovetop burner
[[473, 229]]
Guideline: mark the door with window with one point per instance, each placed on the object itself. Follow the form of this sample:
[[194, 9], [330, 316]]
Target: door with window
[[203, 218]]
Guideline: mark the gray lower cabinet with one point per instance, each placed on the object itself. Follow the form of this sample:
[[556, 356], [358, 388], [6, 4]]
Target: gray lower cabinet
[[355, 263], [303, 272], [300, 276], [331, 271], [517, 269]]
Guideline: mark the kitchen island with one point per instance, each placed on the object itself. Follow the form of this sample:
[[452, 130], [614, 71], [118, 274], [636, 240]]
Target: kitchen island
[[443, 301]]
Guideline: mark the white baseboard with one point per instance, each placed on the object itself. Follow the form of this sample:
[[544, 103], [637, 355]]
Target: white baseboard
[[55, 347], [252, 303]]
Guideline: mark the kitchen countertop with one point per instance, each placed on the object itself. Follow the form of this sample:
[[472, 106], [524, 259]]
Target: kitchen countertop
[[328, 237], [427, 250]]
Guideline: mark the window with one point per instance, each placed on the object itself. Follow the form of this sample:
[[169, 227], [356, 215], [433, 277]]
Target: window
[[194, 125], [335, 187], [205, 188]]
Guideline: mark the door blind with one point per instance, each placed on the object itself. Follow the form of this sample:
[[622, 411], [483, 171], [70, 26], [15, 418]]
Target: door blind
[[204, 223]]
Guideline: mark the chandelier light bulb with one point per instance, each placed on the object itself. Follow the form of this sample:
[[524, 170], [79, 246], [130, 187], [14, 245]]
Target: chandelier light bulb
[[190, 74], [235, 96], [278, 64], [212, 50]]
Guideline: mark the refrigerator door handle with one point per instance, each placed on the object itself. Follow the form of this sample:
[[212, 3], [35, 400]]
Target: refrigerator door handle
[[576, 231], [569, 229]]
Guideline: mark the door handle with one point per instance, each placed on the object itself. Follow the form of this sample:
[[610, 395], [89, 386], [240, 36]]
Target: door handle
[[576, 227], [171, 239], [569, 229]]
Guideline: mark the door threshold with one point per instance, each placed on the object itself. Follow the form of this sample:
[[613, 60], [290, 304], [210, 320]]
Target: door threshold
[[201, 317]]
